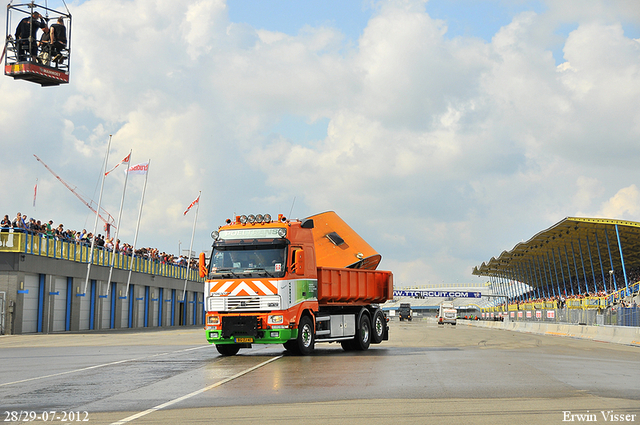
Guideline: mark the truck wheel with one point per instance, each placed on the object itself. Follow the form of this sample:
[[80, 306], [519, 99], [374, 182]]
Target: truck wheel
[[291, 345], [348, 345], [363, 333], [306, 339], [228, 349], [379, 324]]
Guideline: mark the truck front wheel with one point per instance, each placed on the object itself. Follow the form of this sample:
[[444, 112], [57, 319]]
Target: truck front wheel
[[291, 345], [228, 349], [306, 340]]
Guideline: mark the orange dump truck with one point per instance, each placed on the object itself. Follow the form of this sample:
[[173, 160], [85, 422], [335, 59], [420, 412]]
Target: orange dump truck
[[293, 282]]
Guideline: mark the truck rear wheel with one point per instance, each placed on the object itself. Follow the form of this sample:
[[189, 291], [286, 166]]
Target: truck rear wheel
[[228, 349], [379, 323], [363, 333], [348, 345]]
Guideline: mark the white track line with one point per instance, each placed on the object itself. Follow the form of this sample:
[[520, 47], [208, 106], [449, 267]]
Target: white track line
[[200, 391], [99, 366]]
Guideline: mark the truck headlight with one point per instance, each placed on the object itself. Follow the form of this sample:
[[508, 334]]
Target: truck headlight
[[213, 320], [275, 318]]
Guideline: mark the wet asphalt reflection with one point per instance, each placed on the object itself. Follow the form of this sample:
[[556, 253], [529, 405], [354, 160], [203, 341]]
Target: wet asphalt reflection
[[131, 372]]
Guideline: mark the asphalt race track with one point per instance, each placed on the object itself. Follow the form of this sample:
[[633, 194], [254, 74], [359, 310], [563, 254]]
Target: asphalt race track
[[423, 374]]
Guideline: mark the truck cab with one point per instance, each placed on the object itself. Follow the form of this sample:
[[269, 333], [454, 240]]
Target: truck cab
[[404, 312], [447, 313]]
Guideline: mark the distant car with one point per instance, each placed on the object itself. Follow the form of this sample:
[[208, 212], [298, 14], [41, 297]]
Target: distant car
[[404, 311]]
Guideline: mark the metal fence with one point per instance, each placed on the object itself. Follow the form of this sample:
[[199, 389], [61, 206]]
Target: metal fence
[[617, 316]]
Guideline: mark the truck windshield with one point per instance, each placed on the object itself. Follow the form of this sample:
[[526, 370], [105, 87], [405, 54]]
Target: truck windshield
[[239, 260]]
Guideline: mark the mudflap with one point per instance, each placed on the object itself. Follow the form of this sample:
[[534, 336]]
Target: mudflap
[[385, 333]]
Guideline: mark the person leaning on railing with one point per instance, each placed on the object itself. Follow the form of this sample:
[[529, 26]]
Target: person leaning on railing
[[5, 225], [18, 224]]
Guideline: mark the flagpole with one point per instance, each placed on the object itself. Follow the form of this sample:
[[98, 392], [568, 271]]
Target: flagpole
[[95, 225], [135, 238], [193, 232], [113, 257]]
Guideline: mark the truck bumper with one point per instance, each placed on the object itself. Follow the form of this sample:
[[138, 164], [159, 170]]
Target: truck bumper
[[267, 336]]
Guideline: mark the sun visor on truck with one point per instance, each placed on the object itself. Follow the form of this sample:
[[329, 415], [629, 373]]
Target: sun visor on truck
[[338, 245]]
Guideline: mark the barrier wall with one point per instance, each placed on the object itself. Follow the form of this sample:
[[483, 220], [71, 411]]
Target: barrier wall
[[614, 334], [47, 294]]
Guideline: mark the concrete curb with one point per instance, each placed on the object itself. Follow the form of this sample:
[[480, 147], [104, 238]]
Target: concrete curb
[[626, 335]]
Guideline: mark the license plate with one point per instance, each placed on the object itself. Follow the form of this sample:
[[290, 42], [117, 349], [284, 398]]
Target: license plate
[[243, 340]]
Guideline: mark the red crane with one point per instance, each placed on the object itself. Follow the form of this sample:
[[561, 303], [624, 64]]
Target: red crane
[[108, 222]]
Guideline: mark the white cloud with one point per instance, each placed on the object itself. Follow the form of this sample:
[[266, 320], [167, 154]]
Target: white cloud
[[624, 205]]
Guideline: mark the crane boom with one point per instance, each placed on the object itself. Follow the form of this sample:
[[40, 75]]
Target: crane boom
[[109, 221]]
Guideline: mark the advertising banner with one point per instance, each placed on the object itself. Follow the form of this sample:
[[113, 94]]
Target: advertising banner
[[435, 294]]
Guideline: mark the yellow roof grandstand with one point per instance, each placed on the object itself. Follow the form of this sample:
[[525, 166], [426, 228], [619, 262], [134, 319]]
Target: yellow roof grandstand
[[587, 248]]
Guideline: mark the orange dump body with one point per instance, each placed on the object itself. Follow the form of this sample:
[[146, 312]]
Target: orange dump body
[[338, 245], [338, 286]]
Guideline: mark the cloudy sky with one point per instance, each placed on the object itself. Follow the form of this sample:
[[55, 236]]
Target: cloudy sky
[[443, 131]]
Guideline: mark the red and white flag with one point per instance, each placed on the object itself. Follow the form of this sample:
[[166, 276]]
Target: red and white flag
[[126, 159], [35, 192], [191, 205], [141, 168]]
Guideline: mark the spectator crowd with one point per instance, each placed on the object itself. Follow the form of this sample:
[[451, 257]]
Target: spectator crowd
[[22, 224], [607, 289]]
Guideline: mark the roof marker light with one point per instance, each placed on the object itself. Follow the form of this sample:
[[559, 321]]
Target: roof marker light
[[243, 219], [251, 218], [267, 218]]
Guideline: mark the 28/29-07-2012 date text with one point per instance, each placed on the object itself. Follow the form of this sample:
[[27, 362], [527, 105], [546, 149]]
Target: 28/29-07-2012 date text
[[47, 416]]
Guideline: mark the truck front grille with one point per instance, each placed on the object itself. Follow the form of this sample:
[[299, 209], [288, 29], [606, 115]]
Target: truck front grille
[[256, 303]]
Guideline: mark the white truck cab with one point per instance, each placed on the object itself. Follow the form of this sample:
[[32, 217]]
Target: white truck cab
[[447, 313]]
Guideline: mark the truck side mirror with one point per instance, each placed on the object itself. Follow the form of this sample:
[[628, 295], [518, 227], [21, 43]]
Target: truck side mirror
[[201, 266], [299, 265]]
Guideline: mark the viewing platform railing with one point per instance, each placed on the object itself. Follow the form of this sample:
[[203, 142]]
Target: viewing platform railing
[[47, 246]]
